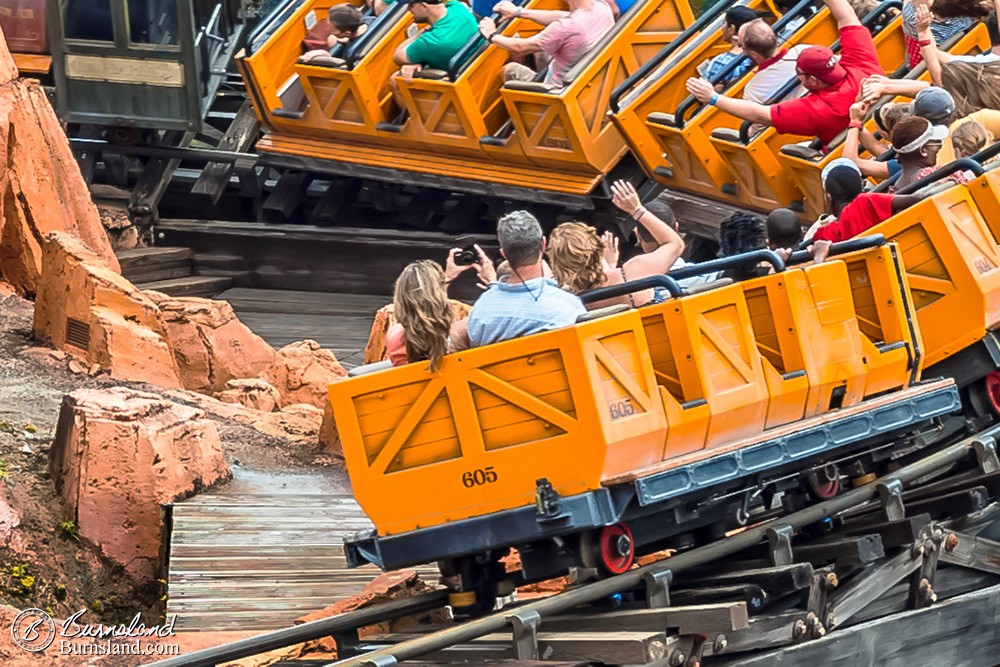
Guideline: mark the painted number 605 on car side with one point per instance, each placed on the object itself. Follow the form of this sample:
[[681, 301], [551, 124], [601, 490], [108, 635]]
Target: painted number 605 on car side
[[479, 477]]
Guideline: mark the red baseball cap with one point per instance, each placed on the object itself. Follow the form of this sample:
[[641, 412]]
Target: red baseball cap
[[820, 62]]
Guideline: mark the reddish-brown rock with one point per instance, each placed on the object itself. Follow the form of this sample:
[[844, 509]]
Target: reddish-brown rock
[[302, 371], [210, 344], [383, 588], [118, 456], [91, 312], [384, 318], [252, 393], [10, 518], [41, 185], [329, 437]]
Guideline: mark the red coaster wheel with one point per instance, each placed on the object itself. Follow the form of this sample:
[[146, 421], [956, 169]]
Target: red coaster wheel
[[993, 391], [825, 483], [617, 548]]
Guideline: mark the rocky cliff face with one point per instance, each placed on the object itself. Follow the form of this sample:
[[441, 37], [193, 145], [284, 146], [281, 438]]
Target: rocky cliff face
[[40, 183]]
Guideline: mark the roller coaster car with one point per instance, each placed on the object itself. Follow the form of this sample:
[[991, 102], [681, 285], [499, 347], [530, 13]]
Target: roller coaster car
[[588, 445], [459, 129], [948, 245], [146, 64], [653, 116], [716, 155], [805, 163]]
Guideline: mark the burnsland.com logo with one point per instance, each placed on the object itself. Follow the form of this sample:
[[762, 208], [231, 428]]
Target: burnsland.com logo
[[34, 630]]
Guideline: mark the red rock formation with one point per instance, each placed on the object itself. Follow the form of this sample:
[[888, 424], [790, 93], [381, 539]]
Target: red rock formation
[[210, 344], [87, 310], [302, 372], [384, 318], [40, 181], [252, 393], [329, 438], [118, 456], [10, 518], [383, 588]]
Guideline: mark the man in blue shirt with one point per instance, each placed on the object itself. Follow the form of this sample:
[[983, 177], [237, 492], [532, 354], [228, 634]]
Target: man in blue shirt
[[525, 302]]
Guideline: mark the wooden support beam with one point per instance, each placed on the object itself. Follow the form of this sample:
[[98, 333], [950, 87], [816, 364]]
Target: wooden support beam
[[752, 596], [613, 648], [894, 533], [960, 630], [954, 504], [869, 585], [239, 137], [971, 551], [706, 619], [778, 580], [858, 549]]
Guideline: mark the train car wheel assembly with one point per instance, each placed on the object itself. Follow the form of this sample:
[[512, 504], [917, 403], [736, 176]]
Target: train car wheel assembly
[[610, 549], [992, 383], [824, 483]]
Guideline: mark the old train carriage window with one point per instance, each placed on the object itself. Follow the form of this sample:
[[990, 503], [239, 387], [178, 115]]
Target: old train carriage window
[[89, 19], [153, 21]]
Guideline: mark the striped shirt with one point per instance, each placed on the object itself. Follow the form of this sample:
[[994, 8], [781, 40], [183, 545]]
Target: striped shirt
[[507, 310]]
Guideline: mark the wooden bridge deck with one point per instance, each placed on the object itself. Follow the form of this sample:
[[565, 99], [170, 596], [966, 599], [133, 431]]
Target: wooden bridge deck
[[340, 322]]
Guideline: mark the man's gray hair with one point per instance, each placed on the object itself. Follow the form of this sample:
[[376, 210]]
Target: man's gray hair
[[520, 238]]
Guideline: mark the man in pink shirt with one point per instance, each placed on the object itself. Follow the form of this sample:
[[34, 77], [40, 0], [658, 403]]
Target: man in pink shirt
[[566, 38]]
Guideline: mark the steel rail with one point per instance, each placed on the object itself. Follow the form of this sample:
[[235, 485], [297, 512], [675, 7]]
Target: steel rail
[[169, 152], [501, 621], [298, 634], [558, 603]]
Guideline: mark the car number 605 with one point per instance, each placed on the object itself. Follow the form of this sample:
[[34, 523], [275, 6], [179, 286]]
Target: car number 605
[[479, 477]]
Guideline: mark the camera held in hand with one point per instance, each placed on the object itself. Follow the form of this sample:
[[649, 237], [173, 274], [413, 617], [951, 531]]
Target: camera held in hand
[[469, 255]]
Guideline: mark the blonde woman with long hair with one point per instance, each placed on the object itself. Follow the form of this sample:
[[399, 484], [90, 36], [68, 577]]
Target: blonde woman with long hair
[[423, 314], [577, 253]]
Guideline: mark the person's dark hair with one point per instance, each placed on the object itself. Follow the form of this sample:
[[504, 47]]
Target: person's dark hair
[[784, 230], [760, 38], [738, 15], [520, 238], [662, 211], [346, 17], [738, 234], [843, 184], [948, 9], [906, 131]]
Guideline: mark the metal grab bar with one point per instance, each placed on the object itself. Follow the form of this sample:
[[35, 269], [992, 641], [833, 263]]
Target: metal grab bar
[[962, 164], [277, 17], [690, 102], [649, 282], [842, 248], [704, 20], [731, 262], [357, 49], [464, 54]]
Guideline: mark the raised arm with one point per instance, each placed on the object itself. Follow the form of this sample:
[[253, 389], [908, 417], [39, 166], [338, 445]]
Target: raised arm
[[876, 86], [842, 13], [671, 245], [871, 144], [872, 168], [507, 9], [745, 109], [934, 57]]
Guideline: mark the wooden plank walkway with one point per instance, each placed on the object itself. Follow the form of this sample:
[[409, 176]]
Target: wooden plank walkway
[[258, 562], [340, 322]]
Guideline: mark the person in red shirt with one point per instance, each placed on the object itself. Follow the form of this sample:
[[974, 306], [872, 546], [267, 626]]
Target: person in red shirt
[[852, 210], [833, 85]]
